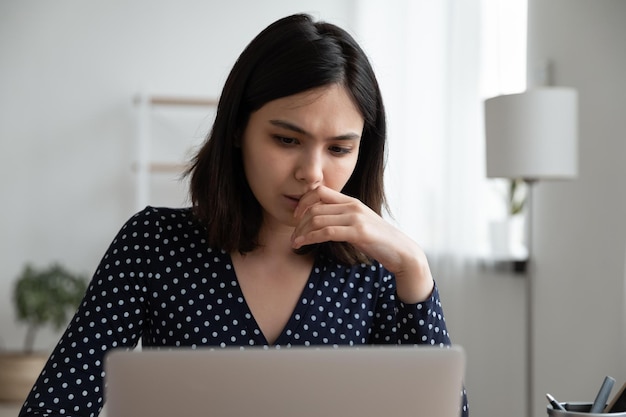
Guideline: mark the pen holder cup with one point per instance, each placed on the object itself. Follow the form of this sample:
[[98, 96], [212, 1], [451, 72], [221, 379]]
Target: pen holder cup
[[580, 410]]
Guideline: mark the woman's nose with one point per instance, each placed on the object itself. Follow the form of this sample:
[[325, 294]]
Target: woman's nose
[[310, 168]]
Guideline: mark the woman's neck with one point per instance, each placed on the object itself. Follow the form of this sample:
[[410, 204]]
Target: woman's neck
[[275, 241], [275, 253]]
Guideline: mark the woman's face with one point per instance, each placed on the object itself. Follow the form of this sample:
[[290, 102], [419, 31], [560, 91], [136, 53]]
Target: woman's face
[[295, 144]]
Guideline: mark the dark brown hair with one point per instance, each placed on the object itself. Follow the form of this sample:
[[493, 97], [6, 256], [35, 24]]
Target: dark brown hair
[[292, 55]]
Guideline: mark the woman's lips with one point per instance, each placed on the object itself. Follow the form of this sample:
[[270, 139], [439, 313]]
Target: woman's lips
[[293, 200]]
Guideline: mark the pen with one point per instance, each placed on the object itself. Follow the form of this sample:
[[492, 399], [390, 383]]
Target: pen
[[555, 404], [603, 395]]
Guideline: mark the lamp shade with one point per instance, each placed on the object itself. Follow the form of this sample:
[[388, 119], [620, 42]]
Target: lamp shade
[[533, 135]]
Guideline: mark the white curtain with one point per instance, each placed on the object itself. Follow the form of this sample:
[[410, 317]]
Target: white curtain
[[436, 62]]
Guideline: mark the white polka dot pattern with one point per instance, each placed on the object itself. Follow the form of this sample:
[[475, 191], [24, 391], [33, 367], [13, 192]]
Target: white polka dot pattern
[[159, 281]]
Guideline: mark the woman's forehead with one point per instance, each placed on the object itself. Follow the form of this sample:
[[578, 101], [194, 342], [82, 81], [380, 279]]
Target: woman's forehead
[[329, 106]]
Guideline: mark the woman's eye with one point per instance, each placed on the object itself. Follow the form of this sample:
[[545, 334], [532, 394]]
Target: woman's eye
[[285, 140], [339, 150]]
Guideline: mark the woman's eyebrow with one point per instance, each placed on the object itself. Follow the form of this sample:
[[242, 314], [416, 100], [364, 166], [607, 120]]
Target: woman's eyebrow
[[297, 129]]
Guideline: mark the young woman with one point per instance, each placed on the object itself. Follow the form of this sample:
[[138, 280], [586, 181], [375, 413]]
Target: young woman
[[284, 243]]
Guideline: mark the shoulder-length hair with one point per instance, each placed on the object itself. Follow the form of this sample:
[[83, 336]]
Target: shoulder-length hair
[[292, 55]]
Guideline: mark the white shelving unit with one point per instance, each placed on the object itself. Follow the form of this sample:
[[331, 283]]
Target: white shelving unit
[[146, 165]]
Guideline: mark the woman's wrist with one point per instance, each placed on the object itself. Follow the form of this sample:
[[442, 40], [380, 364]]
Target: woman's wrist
[[414, 283]]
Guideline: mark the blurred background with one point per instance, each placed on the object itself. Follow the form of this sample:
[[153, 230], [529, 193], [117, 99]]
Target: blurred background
[[72, 75]]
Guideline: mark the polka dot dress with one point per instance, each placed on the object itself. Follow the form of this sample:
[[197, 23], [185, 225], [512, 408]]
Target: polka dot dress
[[161, 283]]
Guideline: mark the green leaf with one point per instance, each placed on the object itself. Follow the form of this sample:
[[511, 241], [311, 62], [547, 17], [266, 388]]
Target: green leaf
[[47, 296]]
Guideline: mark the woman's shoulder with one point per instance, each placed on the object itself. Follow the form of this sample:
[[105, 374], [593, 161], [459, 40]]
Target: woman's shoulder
[[171, 229], [163, 219], [163, 215], [163, 212]]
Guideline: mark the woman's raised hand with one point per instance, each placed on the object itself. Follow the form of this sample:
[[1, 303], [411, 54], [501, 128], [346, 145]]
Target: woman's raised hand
[[325, 215]]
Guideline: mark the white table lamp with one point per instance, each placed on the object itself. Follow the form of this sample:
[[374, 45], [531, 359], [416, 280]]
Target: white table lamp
[[532, 136]]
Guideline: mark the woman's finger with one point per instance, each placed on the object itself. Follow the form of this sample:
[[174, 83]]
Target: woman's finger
[[321, 194], [345, 222], [333, 232]]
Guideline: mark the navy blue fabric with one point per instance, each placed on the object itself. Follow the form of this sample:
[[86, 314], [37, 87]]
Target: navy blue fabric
[[161, 283]]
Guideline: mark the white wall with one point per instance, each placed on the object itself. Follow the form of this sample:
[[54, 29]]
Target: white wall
[[580, 226]]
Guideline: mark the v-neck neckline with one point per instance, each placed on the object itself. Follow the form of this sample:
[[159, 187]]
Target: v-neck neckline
[[295, 318]]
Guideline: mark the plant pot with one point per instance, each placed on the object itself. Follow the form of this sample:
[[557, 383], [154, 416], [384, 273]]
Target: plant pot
[[507, 238], [18, 373]]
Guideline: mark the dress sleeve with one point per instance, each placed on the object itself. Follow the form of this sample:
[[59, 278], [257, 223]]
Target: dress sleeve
[[424, 323], [111, 315], [420, 323], [400, 323]]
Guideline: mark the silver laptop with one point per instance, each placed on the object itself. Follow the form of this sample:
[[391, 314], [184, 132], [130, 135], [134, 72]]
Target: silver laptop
[[367, 381]]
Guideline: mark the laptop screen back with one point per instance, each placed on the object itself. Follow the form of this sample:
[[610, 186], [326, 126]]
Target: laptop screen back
[[304, 382]]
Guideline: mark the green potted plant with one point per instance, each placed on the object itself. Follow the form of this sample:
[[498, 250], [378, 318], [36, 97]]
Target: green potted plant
[[41, 297]]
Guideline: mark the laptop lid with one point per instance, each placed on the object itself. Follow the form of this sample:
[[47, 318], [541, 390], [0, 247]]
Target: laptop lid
[[303, 382]]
